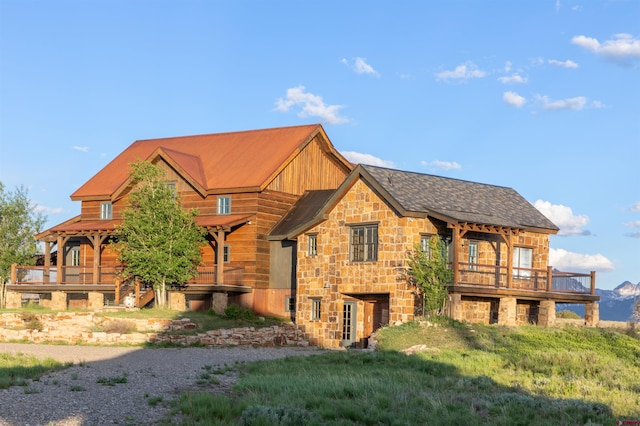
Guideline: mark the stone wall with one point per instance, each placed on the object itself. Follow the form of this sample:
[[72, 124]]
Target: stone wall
[[88, 328]]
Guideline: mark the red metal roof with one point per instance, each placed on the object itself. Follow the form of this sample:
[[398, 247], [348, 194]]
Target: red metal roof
[[236, 160]]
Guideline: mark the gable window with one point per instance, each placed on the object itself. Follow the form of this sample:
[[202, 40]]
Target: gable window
[[106, 210], [316, 305], [224, 204], [522, 262], [473, 255], [313, 245], [364, 243]]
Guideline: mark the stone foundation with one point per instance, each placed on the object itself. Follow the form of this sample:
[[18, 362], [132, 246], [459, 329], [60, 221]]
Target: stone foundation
[[87, 328]]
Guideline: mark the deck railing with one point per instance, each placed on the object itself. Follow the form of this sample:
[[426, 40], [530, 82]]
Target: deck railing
[[495, 276], [48, 275]]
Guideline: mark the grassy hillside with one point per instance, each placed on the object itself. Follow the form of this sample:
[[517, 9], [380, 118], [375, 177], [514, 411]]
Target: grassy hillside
[[452, 374]]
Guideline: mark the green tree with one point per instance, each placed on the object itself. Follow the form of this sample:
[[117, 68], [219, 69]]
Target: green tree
[[158, 241], [19, 222], [429, 272]]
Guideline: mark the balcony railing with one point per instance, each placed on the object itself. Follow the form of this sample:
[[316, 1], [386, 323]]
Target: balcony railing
[[526, 279], [34, 275]]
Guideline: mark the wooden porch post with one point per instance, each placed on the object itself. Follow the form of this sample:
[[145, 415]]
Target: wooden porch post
[[59, 259], [549, 278], [96, 241], [47, 261], [593, 283], [455, 243], [509, 258], [14, 273], [117, 298], [220, 257]]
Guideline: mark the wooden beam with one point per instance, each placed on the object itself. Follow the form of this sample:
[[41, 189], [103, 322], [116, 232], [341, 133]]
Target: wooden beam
[[220, 256]]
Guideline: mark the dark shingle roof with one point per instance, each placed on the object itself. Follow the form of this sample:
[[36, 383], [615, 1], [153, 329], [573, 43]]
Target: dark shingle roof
[[303, 212], [460, 200]]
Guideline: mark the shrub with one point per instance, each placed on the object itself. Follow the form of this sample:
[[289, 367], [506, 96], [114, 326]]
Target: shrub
[[567, 314], [239, 313], [264, 415], [119, 326]]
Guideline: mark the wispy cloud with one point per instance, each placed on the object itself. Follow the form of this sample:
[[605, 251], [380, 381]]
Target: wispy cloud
[[575, 104], [441, 165], [577, 262], [635, 207], [48, 210], [360, 158], [513, 99], [81, 148], [564, 218], [310, 106], [465, 71], [621, 47], [563, 64], [513, 79], [360, 66]]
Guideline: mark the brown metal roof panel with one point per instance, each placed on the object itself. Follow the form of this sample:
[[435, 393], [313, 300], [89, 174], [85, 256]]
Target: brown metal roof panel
[[229, 160]]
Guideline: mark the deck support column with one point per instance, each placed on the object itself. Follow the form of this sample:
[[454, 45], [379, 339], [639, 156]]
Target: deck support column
[[591, 314], [58, 301], [95, 300], [547, 313], [13, 300], [177, 301], [455, 307], [219, 301], [507, 311]]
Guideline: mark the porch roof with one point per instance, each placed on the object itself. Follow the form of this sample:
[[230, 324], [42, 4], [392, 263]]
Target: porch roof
[[76, 226]]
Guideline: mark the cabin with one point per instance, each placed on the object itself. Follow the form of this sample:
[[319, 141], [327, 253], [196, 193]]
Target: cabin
[[352, 246], [242, 183]]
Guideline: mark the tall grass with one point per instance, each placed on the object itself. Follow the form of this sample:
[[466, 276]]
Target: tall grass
[[463, 375], [15, 369]]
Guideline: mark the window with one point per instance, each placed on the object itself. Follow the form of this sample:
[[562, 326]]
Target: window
[[290, 304], [522, 258], [313, 245], [424, 244], [224, 205], [315, 309], [226, 253], [106, 210], [473, 255], [172, 187], [74, 256], [364, 243]]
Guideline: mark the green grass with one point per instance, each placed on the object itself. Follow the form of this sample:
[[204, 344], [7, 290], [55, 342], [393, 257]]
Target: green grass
[[16, 369], [472, 375]]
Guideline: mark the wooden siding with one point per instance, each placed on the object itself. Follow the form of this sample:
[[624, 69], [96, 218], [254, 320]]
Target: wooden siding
[[311, 169]]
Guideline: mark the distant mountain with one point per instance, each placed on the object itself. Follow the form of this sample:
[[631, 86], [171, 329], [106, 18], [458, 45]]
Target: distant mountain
[[615, 305]]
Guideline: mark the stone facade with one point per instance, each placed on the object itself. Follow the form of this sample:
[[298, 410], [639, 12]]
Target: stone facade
[[332, 278], [88, 328]]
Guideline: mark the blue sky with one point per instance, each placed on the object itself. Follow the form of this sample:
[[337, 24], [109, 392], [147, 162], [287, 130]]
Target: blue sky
[[539, 96]]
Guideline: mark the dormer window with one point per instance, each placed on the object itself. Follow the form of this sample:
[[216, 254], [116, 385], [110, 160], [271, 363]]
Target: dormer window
[[224, 204], [106, 210]]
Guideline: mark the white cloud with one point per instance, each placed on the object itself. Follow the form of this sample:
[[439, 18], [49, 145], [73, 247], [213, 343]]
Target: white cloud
[[464, 71], [513, 99], [442, 165], [563, 64], [507, 66], [81, 148], [360, 158], [513, 79], [311, 106], [48, 210], [635, 224], [360, 66], [621, 46], [564, 218], [564, 260], [635, 207], [575, 104]]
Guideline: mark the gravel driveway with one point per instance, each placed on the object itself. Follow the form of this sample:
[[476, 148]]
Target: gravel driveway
[[73, 396]]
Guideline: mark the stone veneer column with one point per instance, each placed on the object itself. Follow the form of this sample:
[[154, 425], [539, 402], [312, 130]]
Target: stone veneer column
[[507, 311], [95, 300], [13, 300], [592, 314], [455, 307], [219, 301], [177, 301], [58, 301], [547, 313]]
